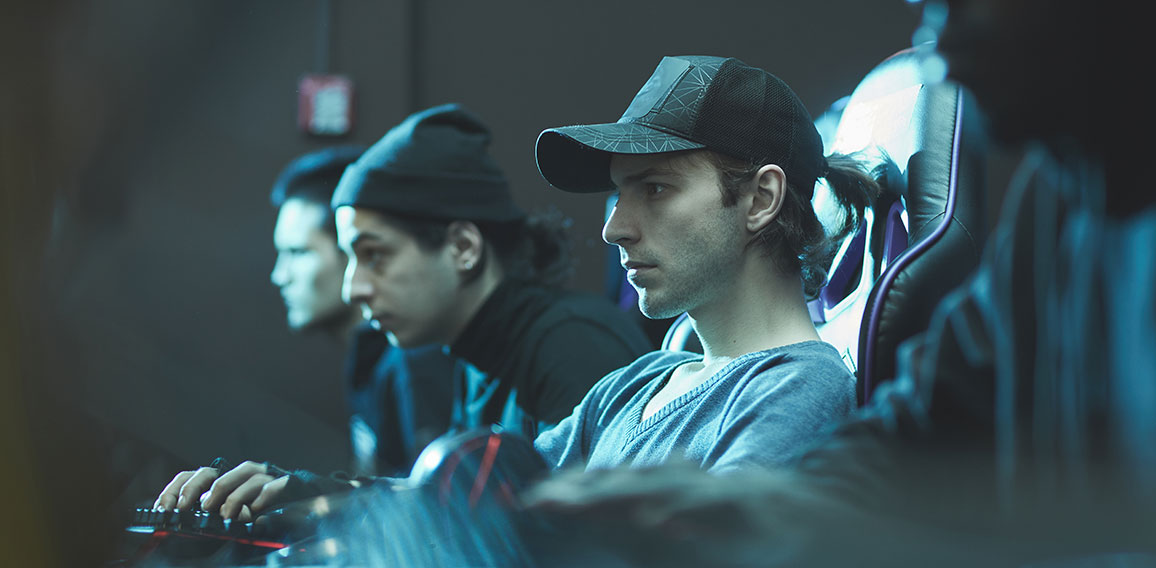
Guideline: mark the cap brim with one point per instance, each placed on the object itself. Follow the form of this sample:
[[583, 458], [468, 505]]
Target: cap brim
[[577, 158]]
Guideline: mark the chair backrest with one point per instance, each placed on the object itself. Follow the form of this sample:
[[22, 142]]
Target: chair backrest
[[922, 235]]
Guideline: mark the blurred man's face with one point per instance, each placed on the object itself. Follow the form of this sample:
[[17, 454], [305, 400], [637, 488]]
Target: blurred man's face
[[309, 266], [1027, 61]]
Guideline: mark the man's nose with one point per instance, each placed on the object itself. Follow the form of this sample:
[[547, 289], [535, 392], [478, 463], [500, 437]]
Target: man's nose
[[356, 287], [279, 276], [620, 227]]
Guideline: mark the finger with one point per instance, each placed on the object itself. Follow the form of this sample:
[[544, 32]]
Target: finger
[[242, 494], [194, 486], [269, 494], [168, 496], [228, 482]]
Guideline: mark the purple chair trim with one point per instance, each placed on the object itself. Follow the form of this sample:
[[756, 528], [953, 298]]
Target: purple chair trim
[[895, 235], [627, 295], [909, 256]]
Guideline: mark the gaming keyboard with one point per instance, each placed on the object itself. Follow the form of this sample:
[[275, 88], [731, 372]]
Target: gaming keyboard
[[189, 522], [463, 485], [199, 538]]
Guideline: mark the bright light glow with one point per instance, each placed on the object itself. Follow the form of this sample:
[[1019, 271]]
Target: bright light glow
[[935, 14], [933, 68], [922, 35], [321, 506], [883, 115]]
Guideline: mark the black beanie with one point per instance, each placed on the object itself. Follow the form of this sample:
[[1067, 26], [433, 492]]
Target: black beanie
[[432, 165]]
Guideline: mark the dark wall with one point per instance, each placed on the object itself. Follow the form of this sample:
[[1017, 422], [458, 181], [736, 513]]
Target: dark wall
[[161, 343], [160, 263], [531, 65]]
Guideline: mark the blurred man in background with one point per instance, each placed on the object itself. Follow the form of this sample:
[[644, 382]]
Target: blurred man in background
[[399, 400]]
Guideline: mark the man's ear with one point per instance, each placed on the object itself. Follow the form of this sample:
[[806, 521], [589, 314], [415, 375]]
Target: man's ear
[[767, 199], [465, 244]]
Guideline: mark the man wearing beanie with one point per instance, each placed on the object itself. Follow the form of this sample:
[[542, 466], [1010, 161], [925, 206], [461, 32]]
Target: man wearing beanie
[[715, 163], [440, 254], [398, 399]]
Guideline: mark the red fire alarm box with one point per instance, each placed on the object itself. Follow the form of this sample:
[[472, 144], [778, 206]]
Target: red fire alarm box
[[325, 104]]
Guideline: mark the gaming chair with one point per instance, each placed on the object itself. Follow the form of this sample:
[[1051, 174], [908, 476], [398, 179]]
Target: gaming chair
[[920, 238]]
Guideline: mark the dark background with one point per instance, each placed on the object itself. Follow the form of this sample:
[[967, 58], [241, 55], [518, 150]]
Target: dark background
[[140, 139]]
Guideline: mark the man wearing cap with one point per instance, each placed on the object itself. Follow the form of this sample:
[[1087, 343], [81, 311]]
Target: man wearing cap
[[440, 254], [715, 163], [399, 399], [1019, 430]]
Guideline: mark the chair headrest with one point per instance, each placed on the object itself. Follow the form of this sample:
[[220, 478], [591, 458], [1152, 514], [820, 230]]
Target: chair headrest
[[908, 129]]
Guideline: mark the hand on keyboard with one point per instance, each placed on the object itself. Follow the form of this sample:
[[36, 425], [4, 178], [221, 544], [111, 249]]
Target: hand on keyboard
[[241, 493]]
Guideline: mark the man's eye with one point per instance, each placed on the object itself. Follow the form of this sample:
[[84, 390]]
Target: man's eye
[[655, 188], [372, 257]]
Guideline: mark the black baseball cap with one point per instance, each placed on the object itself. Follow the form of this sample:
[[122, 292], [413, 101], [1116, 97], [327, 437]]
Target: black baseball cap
[[692, 102], [434, 165]]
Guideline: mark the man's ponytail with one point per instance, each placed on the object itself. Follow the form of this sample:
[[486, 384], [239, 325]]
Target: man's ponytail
[[534, 250], [797, 240]]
